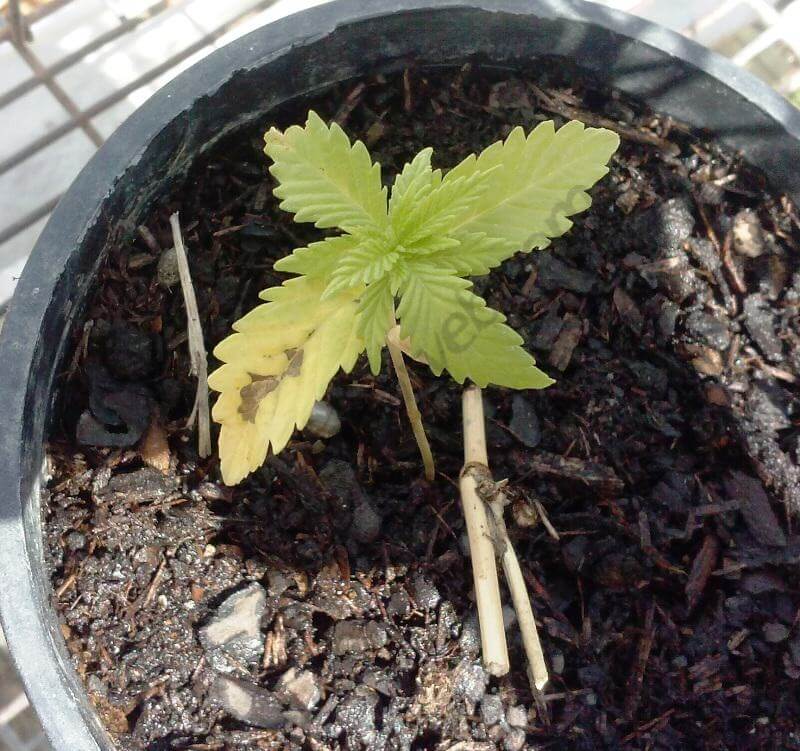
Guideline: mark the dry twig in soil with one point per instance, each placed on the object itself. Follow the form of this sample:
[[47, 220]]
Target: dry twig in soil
[[197, 348], [478, 489]]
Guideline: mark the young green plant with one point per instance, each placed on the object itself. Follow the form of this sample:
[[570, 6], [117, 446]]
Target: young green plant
[[400, 258], [405, 258]]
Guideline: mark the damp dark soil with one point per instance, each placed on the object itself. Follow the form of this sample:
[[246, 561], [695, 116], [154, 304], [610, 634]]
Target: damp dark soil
[[326, 602]]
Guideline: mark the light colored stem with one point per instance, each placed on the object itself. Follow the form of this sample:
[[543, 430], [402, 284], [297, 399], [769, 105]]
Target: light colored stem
[[197, 348], [482, 553], [414, 416], [537, 668]]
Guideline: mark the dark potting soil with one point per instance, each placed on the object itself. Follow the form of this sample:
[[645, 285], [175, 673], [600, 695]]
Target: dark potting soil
[[326, 602]]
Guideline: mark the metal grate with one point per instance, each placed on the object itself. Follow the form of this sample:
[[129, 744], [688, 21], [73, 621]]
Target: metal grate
[[78, 128]]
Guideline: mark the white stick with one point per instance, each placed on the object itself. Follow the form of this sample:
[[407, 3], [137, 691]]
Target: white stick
[[537, 668], [484, 566], [197, 349]]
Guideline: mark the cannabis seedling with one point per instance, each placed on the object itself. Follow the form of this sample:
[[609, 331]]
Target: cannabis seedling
[[405, 258]]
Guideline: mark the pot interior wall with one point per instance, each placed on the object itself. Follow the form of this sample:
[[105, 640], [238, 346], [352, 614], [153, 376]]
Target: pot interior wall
[[156, 147]]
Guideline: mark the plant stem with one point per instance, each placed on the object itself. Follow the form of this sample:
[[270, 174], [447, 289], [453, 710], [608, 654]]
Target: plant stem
[[482, 553], [410, 401]]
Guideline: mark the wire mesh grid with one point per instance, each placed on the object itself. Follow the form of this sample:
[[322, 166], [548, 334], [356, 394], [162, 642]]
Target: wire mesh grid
[[72, 70]]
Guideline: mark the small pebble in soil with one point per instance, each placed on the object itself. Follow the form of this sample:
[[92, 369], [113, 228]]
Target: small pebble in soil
[[247, 702], [748, 236], [491, 710], [323, 422], [775, 632], [350, 637], [470, 639], [129, 352], [525, 422], [356, 717], [76, 541], [759, 322], [554, 274], [515, 740], [708, 329], [300, 689], [366, 526], [557, 662], [232, 638], [167, 273], [517, 716], [469, 681], [769, 406], [399, 603], [425, 592]]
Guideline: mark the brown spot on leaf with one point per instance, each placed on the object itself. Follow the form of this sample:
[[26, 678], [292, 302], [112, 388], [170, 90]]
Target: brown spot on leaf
[[295, 363], [253, 394]]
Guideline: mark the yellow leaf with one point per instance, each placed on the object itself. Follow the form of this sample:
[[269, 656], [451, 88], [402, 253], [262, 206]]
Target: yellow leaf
[[276, 367]]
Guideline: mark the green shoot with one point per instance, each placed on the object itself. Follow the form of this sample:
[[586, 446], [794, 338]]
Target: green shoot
[[403, 260]]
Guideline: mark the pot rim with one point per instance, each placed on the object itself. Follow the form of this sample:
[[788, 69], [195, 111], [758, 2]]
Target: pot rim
[[51, 684]]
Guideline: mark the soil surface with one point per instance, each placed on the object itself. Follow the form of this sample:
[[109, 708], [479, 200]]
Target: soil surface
[[326, 603]]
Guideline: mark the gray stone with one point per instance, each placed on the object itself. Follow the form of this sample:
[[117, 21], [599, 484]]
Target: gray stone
[[554, 275], [709, 330], [247, 702], [356, 716], [525, 422], [76, 540], [515, 740], [232, 638], [399, 603], [376, 634], [323, 422], [517, 716], [469, 681], [366, 526], [775, 632], [470, 639], [748, 235], [349, 637], [670, 224], [299, 689], [768, 406], [168, 275], [425, 593], [491, 710], [760, 324]]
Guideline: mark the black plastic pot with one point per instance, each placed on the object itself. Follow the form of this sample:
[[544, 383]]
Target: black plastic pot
[[230, 89]]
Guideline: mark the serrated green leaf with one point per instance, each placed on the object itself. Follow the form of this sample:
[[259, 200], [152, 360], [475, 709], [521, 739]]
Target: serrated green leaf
[[370, 260], [536, 182], [319, 258], [444, 207], [324, 179], [375, 318], [473, 254], [432, 244], [454, 330], [416, 178]]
